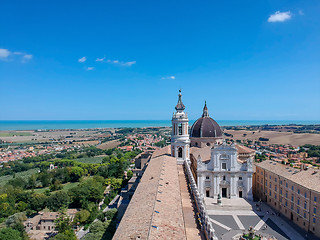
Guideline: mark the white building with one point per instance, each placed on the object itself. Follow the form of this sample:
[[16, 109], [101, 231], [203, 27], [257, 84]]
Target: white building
[[220, 169]]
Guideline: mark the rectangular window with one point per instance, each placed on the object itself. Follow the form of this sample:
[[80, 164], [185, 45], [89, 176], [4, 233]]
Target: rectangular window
[[270, 193], [305, 205], [314, 220], [314, 210], [207, 177], [270, 177], [292, 188], [298, 210], [298, 201], [270, 185], [275, 188], [180, 129], [286, 194], [286, 203], [224, 165], [305, 194], [286, 184], [240, 178], [315, 199], [280, 190], [291, 206], [304, 215], [292, 198], [275, 179], [298, 191], [275, 196], [280, 181]]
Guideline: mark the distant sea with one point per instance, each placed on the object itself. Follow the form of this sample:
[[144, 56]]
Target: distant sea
[[85, 124]]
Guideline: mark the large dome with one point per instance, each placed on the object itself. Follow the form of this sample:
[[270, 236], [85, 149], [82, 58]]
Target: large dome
[[205, 127]]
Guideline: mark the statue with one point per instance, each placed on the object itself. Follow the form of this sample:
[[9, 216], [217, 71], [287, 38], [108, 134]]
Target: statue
[[219, 199]]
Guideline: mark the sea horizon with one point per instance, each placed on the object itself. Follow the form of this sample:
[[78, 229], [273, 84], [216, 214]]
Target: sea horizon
[[16, 125]]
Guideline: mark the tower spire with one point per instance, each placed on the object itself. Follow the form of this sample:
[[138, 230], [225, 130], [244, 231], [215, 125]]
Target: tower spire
[[205, 110], [180, 105]]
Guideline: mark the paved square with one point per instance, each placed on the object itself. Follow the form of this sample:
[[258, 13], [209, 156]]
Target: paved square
[[235, 216]]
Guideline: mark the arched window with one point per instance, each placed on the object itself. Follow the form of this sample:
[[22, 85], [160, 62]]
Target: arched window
[[180, 152], [196, 144]]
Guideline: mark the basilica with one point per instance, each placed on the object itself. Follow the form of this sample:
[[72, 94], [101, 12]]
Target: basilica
[[220, 169]]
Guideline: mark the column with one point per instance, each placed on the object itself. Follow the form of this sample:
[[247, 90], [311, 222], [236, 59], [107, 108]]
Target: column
[[216, 187], [249, 187], [233, 187]]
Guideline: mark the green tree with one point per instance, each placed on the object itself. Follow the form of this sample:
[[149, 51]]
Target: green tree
[[81, 216], [58, 200], [37, 201], [45, 178], [9, 234], [77, 173], [56, 186], [66, 235], [111, 213], [129, 174]]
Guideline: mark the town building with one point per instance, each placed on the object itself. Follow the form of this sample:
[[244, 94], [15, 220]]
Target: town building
[[42, 225], [294, 193]]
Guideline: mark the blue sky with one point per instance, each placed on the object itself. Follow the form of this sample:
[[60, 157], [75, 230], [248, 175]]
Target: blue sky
[[251, 60]]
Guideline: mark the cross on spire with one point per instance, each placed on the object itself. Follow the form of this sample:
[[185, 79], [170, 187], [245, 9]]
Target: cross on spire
[[180, 105], [205, 110]]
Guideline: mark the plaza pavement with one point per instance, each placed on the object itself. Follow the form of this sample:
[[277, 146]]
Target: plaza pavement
[[235, 216]]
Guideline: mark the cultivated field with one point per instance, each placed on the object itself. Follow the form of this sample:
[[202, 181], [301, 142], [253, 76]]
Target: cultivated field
[[15, 133], [110, 144], [295, 139], [57, 135]]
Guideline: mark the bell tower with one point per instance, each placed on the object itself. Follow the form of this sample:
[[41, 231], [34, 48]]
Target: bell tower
[[180, 141]]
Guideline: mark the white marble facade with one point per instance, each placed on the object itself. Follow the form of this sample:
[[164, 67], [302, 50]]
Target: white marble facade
[[224, 174]]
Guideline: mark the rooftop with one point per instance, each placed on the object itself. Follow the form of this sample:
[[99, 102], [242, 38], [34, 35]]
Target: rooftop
[[309, 178], [155, 210]]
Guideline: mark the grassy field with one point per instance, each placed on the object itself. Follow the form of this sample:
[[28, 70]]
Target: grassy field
[[66, 187], [97, 159], [11, 134], [24, 175]]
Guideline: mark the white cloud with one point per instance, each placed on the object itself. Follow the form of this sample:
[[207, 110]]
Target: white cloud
[[90, 68], [280, 16], [128, 64], [83, 59], [27, 56], [170, 77], [100, 59], [4, 53], [18, 53]]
